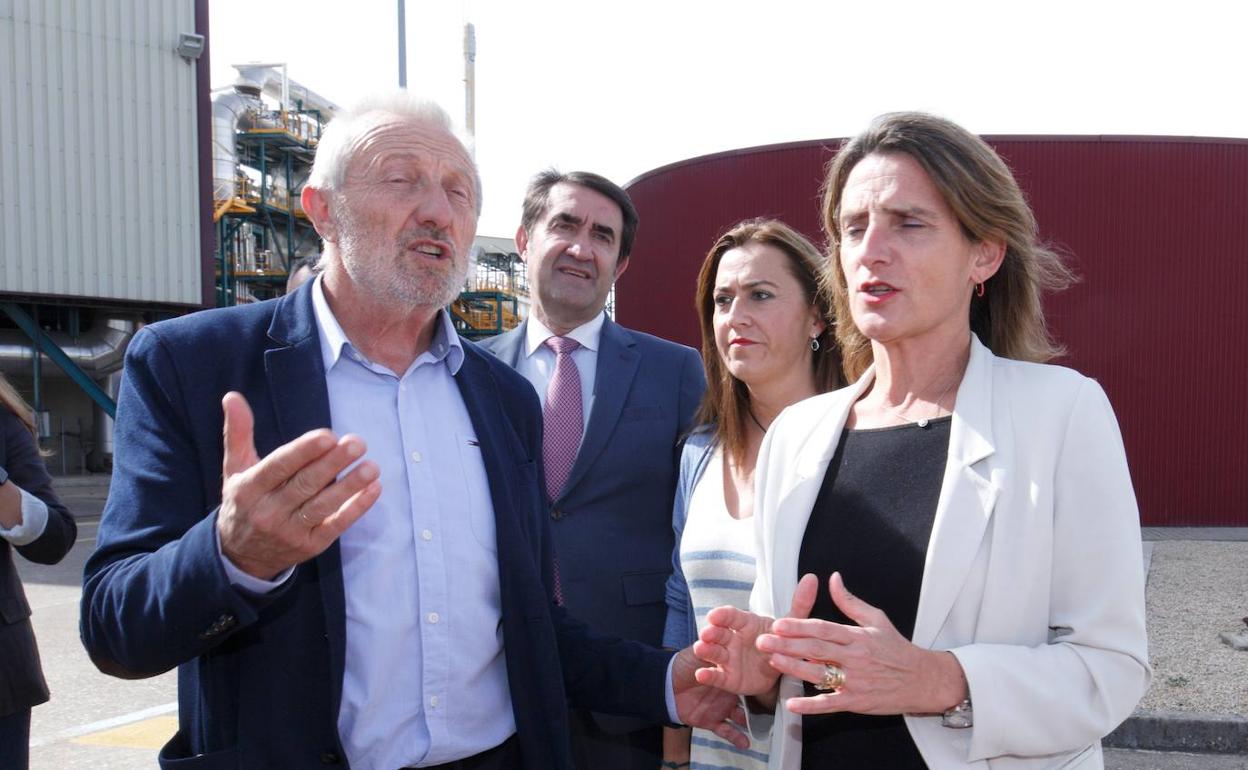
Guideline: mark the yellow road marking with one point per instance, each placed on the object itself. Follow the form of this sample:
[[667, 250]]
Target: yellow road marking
[[147, 734]]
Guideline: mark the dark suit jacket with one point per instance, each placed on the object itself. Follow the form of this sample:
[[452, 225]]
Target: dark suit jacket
[[612, 522], [21, 678], [260, 679]]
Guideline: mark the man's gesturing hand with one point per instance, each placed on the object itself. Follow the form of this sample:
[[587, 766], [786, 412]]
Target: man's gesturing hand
[[286, 508]]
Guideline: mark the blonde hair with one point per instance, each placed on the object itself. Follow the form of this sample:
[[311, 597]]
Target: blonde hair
[[14, 402], [987, 201]]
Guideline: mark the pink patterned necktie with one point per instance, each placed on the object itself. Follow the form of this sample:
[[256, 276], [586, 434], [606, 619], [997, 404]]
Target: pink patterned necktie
[[562, 416], [562, 425]]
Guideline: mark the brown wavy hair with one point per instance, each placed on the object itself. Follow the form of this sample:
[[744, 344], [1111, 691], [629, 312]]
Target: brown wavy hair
[[726, 403], [987, 201]]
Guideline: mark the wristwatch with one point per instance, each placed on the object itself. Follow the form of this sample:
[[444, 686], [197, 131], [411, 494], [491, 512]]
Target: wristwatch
[[960, 716], [4, 475]]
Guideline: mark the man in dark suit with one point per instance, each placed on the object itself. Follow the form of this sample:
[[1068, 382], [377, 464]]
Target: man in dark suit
[[357, 574], [611, 510], [35, 524]]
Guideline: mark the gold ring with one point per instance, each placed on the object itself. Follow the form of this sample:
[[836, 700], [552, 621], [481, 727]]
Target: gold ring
[[833, 678]]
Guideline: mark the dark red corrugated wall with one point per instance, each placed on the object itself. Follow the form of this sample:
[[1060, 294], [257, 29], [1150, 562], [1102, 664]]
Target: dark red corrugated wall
[[1157, 229]]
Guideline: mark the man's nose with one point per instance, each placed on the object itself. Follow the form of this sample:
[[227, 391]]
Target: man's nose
[[580, 248], [434, 208]]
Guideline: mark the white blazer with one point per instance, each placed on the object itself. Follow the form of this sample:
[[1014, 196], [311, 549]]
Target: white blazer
[[1034, 572]]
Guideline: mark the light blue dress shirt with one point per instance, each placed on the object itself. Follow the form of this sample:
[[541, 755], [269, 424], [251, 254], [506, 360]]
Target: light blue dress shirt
[[425, 679]]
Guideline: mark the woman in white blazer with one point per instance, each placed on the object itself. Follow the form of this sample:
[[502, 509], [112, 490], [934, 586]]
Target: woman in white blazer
[[976, 500]]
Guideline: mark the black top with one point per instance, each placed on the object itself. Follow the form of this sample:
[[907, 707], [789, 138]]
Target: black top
[[872, 522]]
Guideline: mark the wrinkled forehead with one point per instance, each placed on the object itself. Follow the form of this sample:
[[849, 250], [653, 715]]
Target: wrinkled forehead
[[894, 177], [384, 136], [580, 202]]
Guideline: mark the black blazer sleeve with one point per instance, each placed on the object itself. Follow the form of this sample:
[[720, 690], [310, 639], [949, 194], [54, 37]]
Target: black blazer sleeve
[[20, 457]]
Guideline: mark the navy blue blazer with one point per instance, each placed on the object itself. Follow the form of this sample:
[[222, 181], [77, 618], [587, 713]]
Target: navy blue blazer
[[612, 522], [260, 680], [21, 678]]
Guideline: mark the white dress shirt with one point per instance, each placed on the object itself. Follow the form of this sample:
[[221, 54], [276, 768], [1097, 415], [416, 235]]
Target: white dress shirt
[[34, 520]]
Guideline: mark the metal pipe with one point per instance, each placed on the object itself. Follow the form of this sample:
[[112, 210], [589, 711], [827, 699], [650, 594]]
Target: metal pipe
[[229, 111], [99, 352], [402, 44], [470, 79], [37, 362], [102, 426]]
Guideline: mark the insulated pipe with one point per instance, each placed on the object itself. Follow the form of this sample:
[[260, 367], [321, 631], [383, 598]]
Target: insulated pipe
[[102, 426], [229, 110], [99, 352]]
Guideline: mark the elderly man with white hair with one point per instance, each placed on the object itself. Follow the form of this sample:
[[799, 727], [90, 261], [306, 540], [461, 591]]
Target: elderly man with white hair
[[358, 573]]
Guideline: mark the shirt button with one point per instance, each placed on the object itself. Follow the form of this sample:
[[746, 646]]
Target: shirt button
[[416, 457], [426, 534], [433, 617], [433, 702]]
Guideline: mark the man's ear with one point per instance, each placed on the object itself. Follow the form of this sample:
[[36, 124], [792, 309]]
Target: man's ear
[[522, 243], [620, 267], [316, 205]]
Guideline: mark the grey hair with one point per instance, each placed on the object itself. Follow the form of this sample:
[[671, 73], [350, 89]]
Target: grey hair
[[334, 151]]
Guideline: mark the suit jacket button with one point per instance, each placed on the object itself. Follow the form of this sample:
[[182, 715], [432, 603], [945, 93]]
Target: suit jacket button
[[330, 758], [223, 622], [556, 514]]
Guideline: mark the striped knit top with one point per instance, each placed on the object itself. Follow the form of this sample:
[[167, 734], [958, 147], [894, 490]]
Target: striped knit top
[[717, 557]]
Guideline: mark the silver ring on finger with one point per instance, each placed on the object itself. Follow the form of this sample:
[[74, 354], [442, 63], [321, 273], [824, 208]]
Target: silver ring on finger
[[833, 678]]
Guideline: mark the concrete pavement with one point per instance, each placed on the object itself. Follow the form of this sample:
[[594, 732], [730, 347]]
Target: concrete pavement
[[93, 720]]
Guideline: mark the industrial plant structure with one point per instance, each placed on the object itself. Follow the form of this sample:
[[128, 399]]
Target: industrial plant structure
[[104, 199], [129, 193]]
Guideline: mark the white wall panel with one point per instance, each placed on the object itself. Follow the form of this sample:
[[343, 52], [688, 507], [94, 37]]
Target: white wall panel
[[98, 158]]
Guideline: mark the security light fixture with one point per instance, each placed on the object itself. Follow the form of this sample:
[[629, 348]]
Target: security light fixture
[[190, 46]]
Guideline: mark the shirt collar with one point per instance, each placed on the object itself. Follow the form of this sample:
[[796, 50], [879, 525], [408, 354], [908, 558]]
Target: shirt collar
[[445, 344], [587, 334]]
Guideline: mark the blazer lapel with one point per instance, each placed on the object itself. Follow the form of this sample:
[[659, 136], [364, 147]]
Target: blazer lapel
[[294, 369], [509, 346], [296, 376], [479, 390], [967, 497], [786, 529], [617, 367]]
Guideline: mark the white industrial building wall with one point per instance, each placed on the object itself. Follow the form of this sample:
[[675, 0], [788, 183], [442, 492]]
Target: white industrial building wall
[[98, 159]]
